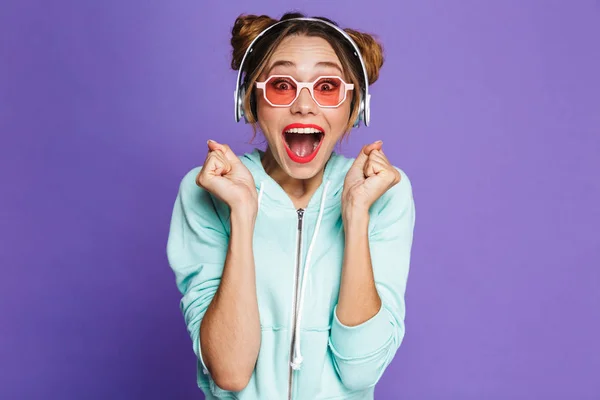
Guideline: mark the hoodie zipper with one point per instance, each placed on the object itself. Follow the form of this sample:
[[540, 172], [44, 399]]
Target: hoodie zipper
[[295, 299]]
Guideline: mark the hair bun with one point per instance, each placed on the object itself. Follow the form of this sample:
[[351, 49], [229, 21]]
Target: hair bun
[[245, 29], [371, 51]]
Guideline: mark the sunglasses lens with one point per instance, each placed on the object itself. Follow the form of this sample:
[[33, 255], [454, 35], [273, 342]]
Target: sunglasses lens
[[280, 91], [329, 91]]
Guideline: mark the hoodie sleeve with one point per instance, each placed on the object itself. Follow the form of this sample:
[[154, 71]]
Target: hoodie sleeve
[[196, 251], [362, 353]]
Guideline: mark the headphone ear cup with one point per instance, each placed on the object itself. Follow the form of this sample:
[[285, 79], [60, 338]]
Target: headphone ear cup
[[236, 105], [367, 110], [360, 114], [240, 103]]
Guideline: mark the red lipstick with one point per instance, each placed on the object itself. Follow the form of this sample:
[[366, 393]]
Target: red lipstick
[[295, 157]]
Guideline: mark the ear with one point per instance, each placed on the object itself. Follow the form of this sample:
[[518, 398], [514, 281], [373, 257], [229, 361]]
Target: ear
[[360, 113], [361, 110], [352, 104]]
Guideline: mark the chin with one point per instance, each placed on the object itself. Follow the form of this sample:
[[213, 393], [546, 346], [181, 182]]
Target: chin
[[303, 172]]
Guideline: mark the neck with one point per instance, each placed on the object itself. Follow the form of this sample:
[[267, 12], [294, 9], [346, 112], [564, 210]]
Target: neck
[[299, 190]]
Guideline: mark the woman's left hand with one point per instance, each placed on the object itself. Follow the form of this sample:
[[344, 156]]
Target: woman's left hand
[[369, 177]]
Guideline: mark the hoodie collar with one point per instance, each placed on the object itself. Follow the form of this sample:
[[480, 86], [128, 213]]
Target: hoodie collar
[[274, 195]]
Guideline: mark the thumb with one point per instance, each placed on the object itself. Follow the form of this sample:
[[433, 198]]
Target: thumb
[[363, 156], [223, 148]]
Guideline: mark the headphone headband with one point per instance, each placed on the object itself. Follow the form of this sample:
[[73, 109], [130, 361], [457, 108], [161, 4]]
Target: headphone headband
[[364, 109]]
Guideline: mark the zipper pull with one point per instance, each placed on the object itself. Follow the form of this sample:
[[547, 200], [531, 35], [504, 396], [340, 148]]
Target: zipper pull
[[300, 215]]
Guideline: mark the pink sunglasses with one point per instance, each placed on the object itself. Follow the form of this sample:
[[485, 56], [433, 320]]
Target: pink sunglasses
[[283, 90]]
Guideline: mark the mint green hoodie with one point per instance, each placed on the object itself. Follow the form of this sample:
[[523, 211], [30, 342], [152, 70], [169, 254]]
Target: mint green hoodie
[[306, 353]]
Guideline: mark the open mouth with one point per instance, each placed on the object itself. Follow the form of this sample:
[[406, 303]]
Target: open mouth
[[302, 142]]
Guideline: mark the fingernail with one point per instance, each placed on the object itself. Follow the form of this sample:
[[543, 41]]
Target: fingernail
[[379, 142], [210, 141]]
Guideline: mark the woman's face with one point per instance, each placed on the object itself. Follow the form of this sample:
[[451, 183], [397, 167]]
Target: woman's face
[[302, 153]]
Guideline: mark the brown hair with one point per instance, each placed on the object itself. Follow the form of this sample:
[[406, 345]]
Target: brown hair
[[247, 27]]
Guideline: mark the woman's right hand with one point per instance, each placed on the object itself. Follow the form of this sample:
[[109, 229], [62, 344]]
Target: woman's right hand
[[224, 175]]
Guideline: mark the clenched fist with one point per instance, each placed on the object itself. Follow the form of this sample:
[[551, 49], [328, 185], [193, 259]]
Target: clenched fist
[[224, 175], [369, 177]]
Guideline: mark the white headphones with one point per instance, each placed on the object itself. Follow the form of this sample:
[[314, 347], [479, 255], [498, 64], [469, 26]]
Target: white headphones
[[364, 112]]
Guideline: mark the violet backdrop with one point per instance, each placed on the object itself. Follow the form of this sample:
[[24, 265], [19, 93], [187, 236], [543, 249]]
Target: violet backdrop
[[491, 107]]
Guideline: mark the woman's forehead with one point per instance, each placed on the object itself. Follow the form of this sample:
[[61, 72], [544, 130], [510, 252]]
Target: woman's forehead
[[304, 52], [283, 66]]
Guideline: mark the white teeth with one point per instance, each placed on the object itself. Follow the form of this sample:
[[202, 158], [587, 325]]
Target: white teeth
[[303, 130]]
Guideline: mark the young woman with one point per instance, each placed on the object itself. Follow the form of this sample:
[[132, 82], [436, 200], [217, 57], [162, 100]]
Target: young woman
[[293, 260]]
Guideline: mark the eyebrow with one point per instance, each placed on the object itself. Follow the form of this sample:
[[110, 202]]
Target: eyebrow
[[286, 63]]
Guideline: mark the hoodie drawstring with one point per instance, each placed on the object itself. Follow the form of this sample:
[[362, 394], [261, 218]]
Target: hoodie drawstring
[[297, 359]]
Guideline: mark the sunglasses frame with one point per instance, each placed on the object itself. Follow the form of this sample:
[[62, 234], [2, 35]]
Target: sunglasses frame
[[302, 85]]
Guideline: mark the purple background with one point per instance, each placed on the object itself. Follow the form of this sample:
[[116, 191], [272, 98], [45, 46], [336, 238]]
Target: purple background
[[492, 108]]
